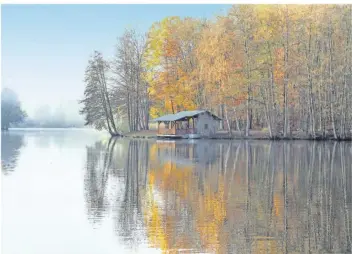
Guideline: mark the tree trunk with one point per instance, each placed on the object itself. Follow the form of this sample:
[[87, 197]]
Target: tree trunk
[[286, 76], [248, 76], [332, 110], [248, 117], [106, 99], [236, 119], [129, 112], [227, 121]]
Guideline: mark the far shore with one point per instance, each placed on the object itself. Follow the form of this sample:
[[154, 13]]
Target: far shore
[[253, 135], [224, 135]]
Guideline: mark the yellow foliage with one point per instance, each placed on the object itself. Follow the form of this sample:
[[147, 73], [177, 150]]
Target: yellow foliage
[[167, 59]]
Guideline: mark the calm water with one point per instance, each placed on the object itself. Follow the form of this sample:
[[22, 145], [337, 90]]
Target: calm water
[[78, 192]]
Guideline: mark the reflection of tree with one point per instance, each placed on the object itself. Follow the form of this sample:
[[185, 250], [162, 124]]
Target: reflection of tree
[[10, 150], [271, 198], [98, 166], [192, 212], [253, 197], [108, 167], [129, 217]]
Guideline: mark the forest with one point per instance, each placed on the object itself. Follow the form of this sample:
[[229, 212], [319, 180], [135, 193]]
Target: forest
[[275, 68]]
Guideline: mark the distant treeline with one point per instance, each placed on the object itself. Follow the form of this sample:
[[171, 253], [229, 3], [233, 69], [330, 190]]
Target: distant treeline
[[29, 123], [284, 68], [13, 115], [11, 110]]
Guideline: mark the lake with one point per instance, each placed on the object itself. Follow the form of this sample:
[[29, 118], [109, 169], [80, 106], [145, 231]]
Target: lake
[[76, 191]]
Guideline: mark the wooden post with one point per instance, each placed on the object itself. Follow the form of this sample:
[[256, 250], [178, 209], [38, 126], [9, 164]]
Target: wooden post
[[188, 129]]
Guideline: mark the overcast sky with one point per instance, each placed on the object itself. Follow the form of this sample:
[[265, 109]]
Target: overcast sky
[[45, 48]]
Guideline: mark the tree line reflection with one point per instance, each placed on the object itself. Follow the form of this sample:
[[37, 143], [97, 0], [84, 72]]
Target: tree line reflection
[[11, 145], [223, 196]]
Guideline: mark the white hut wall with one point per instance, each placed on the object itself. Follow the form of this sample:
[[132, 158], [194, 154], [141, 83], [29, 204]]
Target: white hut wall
[[206, 125]]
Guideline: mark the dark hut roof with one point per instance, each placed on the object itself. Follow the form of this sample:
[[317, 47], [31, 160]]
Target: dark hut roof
[[182, 115]]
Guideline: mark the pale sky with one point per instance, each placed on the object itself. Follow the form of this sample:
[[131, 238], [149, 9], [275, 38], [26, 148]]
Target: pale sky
[[45, 48]]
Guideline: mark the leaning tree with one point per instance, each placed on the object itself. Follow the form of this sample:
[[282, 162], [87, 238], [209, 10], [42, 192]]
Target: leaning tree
[[97, 104]]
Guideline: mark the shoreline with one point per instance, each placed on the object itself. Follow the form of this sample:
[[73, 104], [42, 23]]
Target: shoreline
[[254, 135], [221, 135]]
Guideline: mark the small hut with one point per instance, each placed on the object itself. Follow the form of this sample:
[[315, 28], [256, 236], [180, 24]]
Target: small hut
[[188, 124]]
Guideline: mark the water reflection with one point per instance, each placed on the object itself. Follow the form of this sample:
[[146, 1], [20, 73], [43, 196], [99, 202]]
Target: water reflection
[[222, 196], [11, 145], [98, 169], [129, 217]]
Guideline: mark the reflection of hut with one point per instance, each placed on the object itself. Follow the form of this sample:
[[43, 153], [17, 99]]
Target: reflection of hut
[[188, 124], [188, 153], [183, 210]]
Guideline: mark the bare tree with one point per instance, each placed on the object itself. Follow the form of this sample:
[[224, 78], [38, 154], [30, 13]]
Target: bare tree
[[130, 89], [97, 107]]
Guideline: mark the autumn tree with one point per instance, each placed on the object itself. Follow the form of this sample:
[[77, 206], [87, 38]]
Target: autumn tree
[[244, 19], [220, 63], [284, 68], [170, 63]]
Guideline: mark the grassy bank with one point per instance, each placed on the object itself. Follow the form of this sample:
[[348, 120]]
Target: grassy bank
[[254, 135]]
